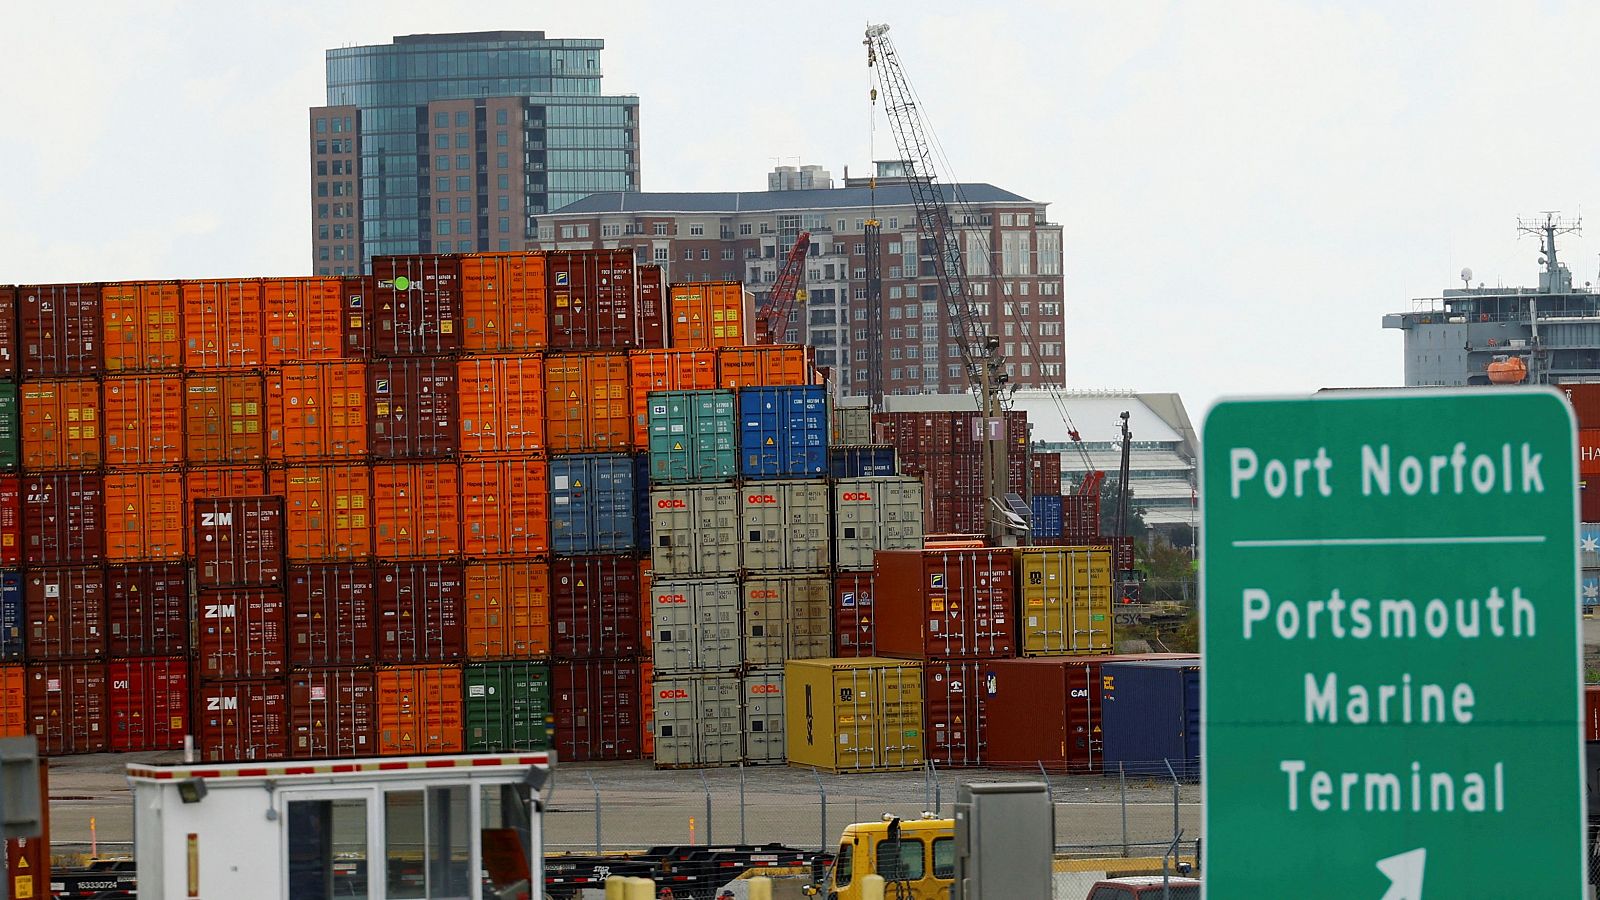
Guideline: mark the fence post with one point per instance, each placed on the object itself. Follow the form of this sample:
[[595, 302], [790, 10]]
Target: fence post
[[704, 785], [596, 788], [741, 803], [1050, 794], [938, 789], [822, 794], [1122, 777], [927, 785], [1175, 801]]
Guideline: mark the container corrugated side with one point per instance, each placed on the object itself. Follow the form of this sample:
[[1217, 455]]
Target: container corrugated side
[[594, 607], [697, 627], [693, 436], [143, 419], [419, 710], [694, 530], [507, 706], [1151, 714], [416, 510], [504, 303], [303, 319], [596, 704], [508, 609], [332, 614], [588, 405], [149, 521], [501, 404], [784, 526], [592, 504], [854, 715], [783, 432], [223, 324], [61, 425], [225, 418], [872, 514], [786, 617], [332, 713], [67, 707], [317, 410], [149, 701], [147, 610], [505, 507], [1067, 597], [142, 326], [948, 604], [242, 720]]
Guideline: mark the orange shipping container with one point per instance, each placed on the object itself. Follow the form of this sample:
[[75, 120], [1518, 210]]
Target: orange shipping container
[[225, 418], [587, 405], [666, 370], [302, 319], [144, 516], [501, 403], [61, 424], [503, 302], [317, 410], [775, 365], [416, 510], [328, 511], [143, 420], [141, 326], [13, 701], [707, 314], [419, 710], [505, 507], [218, 482], [222, 324], [647, 706], [508, 610]]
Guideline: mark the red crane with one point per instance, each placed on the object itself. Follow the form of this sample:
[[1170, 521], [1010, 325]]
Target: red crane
[[774, 318]]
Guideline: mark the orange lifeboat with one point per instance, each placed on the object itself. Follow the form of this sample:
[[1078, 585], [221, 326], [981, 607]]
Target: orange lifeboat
[[1508, 370]]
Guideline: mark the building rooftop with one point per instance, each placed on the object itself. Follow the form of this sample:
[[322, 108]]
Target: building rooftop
[[770, 201]]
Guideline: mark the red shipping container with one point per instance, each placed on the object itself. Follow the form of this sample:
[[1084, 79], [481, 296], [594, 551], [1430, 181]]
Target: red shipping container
[[505, 507], [61, 330], [149, 703], [588, 404], [1585, 400], [331, 615], [591, 298], [594, 607], [66, 612], [652, 287], [421, 612], [1045, 477], [1589, 451], [302, 319], [223, 324], [147, 610], [945, 604], [1589, 502], [240, 633], [355, 332], [420, 710], [852, 614], [143, 420], [332, 714], [416, 510], [415, 307], [411, 408], [952, 705], [596, 705], [1591, 712], [10, 520], [67, 707], [242, 720], [225, 418], [8, 333], [14, 721], [503, 302], [238, 541]]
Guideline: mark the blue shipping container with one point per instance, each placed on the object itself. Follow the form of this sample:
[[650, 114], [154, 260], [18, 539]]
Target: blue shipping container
[[11, 615], [783, 432], [1591, 589], [861, 461], [1047, 515], [1150, 711], [641, 500], [592, 504]]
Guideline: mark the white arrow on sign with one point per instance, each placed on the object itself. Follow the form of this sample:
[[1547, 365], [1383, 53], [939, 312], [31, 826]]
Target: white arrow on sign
[[1405, 874]]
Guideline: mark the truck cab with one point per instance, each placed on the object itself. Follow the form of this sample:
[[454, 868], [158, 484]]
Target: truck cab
[[919, 853]]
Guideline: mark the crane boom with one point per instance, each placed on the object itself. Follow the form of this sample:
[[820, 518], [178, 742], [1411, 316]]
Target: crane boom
[[780, 300], [939, 236]]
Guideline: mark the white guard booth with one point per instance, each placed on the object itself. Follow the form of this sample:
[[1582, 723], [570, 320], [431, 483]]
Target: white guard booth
[[459, 827]]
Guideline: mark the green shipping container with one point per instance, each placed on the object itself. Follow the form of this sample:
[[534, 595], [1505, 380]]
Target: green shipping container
[[507, 706], [693, 436], [10, 427]]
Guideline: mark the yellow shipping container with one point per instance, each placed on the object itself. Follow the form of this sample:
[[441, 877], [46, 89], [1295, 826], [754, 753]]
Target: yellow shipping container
[[854, 715], [1066, 600]]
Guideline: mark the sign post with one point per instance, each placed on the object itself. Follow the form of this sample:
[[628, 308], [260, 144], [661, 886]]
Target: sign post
[[1392, 662]]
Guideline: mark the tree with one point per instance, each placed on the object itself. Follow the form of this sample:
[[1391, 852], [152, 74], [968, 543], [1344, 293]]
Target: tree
[[1108, 510]]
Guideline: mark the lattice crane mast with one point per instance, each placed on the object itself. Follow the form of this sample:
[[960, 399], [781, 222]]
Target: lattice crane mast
[[774, 318], [939, 236]]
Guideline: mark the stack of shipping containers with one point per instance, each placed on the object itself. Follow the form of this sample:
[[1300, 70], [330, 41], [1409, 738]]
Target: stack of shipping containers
[[944, 448]]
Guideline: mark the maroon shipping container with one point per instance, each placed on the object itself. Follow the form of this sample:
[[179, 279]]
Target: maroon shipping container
[[63, 518], [1585, 400], [421, 612], [66, 612], [596, 705], [852, 614], [1591, 712], [414, 307], [67, 706], [238, 542], [591, 299], [238, 720], [1047, 709], [594, 607], [240, 633], [332, 713], [1080, 519], [330, 615], [1589, 500], [61, 329], [1045, 473], [411, 408], [147, 610], [652, 307], [952, 703], [10, 520], [149, 700], [354, 292], [8, 333], [945, 604]]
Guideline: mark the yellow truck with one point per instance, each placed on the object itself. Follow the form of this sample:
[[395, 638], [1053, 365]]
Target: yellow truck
[[916, 859]]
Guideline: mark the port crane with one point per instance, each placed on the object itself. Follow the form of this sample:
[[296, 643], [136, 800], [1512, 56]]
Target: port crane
[[939, 236], [773, 319]]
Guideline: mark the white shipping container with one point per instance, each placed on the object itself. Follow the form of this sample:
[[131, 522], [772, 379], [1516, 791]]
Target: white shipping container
[[696, 625], [694, 530], [786, 617], [763, 717], [784, 526], [872, 514], [699, 720], [852, 425]]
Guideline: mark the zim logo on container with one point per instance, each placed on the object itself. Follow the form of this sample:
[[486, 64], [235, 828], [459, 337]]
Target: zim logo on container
[[214, 520], [672, 503], [220, 610], [674, 694], [849, 496], [760, 498], [218, 703]]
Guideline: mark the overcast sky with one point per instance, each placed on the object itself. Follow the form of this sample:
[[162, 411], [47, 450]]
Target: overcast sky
[[1245, 187]]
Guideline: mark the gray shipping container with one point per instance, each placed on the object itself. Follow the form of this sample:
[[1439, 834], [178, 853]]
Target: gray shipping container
[[763, 717], [784, 526], [694, 530], [696, 624], [699, 720], [852, 425], [872, 514], [787, 617]]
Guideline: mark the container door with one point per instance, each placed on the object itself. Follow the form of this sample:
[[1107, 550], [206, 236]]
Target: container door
[[899, 710], [718, 626], [763, 717], [719, 720], [1090, 598], [808, 608], [675, 707], [328, 848], [855, 698], [1191, 724]]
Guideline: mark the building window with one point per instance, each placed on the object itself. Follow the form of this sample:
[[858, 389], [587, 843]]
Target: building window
[[502, 182], [860, 249], [441, 226], [463, 182], [660, 254], [566, 232], [441, 163], [441, 142], [322, 232], [583, 231], [503, 203], [322, 253], [443, 205], [501, 139], [860, 293], [705, 253], [463, 226], [894, 271], [505, 245], [547, 232], [1022, 219], [838, 225], [697, 229], [744, 228], [660, 229], [500, 117], [610, 230], [894, 222], [461, 118], [322, 168], [688, 254], [505, 224], [1006, 219], [322, 210], [322, 126], [442, 184], [463, 204], [463, 162], [727, 253], [322, 189], [502, 161], [441, 120], [322, 147]]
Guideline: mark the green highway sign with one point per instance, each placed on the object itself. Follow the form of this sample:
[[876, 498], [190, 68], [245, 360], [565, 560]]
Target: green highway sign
[[1391, 652]]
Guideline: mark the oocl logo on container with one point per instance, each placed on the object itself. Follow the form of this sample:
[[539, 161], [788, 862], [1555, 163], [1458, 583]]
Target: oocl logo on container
[[763, 595], [765, 689], [671, 599], [674, 694], [854, 496], [671, 503], [760, 498]]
